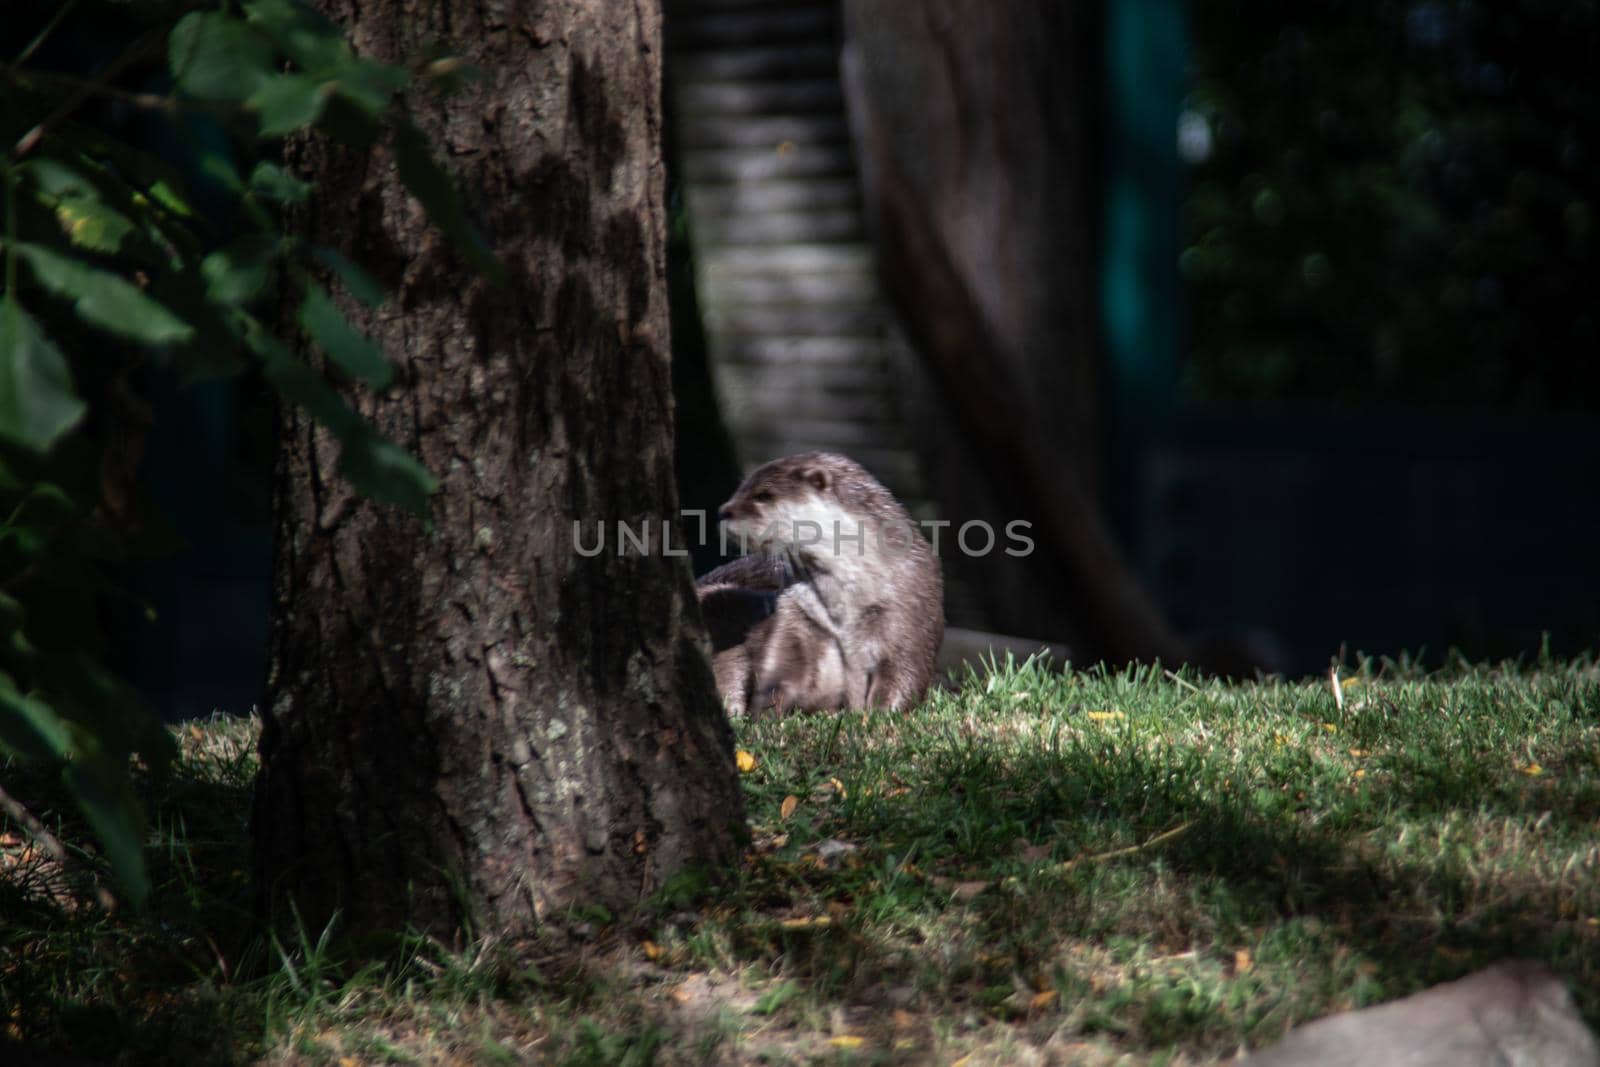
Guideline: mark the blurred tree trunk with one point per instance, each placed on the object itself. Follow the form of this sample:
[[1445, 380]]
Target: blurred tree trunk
[[473, 721], [974, 122]]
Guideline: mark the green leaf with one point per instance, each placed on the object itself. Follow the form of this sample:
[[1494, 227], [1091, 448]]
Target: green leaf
[[370, 86], [301, 33], [104, 299], [377, 468], [168, 197], [37, 401], [92, 225], [428, 182], [215, 57], [239, 272], [301, 386], [75, 199], [29, 726], [106, 798], [384, 471], [363, 286], [275, 183], [55, 179], [287, 102], [356, 355]]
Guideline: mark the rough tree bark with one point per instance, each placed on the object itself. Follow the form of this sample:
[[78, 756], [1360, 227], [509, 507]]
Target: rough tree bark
[[474, 720], [974, 129]]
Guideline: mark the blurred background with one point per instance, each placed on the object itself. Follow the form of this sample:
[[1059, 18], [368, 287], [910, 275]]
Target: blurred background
[[1277, 322], [1299, 298]]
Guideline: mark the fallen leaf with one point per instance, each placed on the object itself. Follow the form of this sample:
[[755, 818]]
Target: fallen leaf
[[1361, 773], [963, 1061], [1242, 961], [847, 1041], [806, 922], [745, 761], [652, 951], [786, 809], [1105, 716], [1041, 999], [838, 787], [904, 1020], [1533, 770]]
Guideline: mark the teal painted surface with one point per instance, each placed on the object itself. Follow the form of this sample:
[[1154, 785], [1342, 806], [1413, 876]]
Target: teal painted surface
[[1140, 298]]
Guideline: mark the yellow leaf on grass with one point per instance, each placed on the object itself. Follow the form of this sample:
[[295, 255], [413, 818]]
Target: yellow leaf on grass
[[1041, 999], [745, 761], [806, 922], [1361, 773], [963, 1061], [1105, 716], [1242, 961], [1533, 770], [786, 809], [1330, 727], [847, 1041], [652, 951], [838, 787]]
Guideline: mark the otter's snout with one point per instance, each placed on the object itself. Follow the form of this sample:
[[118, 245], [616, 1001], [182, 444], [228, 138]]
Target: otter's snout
[[725, 512]]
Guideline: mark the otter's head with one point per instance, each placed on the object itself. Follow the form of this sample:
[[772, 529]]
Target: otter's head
[[799, 505]]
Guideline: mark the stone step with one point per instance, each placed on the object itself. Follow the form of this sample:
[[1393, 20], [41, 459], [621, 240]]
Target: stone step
[[760, 164], [811, 96], [751, 402], [763, 228], [864, 319], [779, 64], [832, 379], [784, 351], [793, 288], [719, 264], [744, 198], [762, 131], [721, 25]]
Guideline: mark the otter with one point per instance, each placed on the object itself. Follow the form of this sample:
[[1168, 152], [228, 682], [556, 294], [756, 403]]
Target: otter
[[841, 606]]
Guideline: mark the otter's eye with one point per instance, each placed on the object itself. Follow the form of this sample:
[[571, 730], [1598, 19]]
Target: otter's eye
[[763, 497]]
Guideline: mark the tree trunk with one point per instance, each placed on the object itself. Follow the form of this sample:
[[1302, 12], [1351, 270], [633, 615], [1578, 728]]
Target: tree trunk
[[974, 134], [472, 721]]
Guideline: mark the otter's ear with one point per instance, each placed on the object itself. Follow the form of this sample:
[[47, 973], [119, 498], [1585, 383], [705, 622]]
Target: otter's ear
[[816, 477]]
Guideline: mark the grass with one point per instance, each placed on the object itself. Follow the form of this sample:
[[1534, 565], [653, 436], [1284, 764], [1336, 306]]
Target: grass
[[1085, 867]]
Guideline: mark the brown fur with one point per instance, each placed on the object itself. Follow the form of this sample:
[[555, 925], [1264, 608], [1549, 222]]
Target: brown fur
[[828, 625]]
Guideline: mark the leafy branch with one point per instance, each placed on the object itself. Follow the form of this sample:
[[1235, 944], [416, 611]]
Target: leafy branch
[[107, 251]]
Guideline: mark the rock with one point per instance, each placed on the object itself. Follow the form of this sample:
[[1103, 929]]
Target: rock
[[1513, 1014]]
